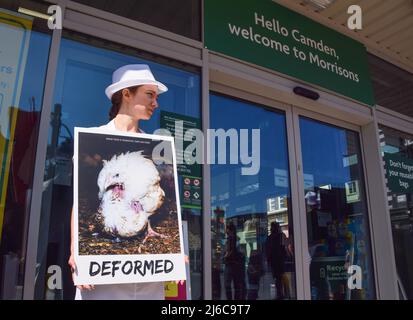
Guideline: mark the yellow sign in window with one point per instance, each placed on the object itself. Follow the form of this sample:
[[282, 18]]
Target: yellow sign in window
[[15, 36]]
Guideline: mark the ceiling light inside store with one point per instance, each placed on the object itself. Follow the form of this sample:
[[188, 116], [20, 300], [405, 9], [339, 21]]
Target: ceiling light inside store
[[33, 13], [320, 4]]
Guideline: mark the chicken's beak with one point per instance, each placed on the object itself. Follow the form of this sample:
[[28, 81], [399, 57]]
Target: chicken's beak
[[117, 190], [116, 187]]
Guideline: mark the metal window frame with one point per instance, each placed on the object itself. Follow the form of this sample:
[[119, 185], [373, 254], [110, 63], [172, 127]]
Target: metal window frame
[[392, 119], [36, 200], [385, 267], [206, 174]]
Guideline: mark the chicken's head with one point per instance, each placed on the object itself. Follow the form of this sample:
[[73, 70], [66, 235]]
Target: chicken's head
[[129, 190]]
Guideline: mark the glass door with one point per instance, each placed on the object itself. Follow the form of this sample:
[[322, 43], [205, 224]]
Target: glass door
[[334, 212], [252, 234]]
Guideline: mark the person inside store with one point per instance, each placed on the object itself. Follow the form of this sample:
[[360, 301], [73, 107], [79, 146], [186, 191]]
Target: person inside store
[[216, 277], [255, 271], [234, 261], [133, 93], [276, 255]]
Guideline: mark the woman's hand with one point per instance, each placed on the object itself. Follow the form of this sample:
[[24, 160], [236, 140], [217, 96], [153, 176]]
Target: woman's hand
[[181, 282], [72, 263], [72, 266]]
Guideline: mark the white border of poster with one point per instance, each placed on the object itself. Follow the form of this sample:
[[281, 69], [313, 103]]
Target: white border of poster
[[92, 268]]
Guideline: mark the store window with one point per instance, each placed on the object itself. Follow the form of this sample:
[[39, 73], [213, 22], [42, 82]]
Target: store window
[[251, 223], [397, 152], [24, 49], [83, 73], [336, 213], [178, 16]]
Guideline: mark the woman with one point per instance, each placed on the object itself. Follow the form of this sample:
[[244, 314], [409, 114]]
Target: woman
[[133, 92]]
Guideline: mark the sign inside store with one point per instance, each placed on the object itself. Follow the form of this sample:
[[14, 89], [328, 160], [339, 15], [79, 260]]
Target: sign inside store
[[399, 171]]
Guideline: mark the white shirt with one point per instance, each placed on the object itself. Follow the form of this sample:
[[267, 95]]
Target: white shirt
[[111, 126], [124, 291]]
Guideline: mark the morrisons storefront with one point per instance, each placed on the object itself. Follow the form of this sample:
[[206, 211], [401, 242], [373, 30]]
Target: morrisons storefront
[[321, 195]]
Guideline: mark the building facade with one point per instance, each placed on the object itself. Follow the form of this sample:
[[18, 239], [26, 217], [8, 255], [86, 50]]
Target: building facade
[[317, 177]]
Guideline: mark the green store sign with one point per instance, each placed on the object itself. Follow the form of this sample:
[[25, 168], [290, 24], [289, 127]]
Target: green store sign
[[399, 172], [267, 34]]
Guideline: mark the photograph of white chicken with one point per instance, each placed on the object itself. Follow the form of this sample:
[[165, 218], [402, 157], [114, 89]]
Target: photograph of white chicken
[[127, 200], [130, 192]]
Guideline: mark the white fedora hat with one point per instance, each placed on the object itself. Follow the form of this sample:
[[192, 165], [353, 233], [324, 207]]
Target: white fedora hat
[[133, 75]]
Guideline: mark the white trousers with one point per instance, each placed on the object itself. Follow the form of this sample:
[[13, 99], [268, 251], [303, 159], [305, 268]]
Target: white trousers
[[127, 291]]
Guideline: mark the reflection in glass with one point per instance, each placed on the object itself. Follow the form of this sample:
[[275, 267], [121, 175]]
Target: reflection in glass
[[397, 145], [337, 220], [251, 225]]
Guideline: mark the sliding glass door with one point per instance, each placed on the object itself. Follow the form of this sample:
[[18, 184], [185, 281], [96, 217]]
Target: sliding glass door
[[252, 235], [336, 213]]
